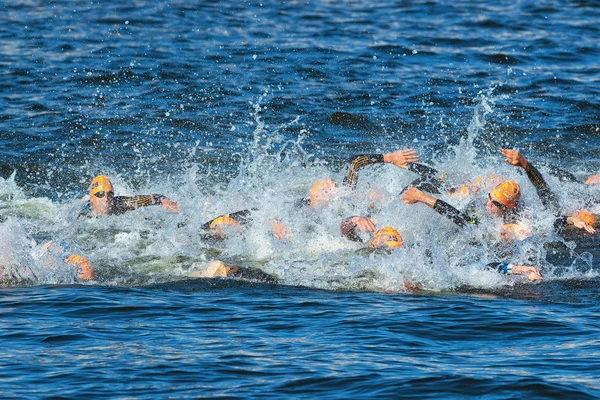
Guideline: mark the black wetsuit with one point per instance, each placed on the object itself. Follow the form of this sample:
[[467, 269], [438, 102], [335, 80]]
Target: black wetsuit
[[253, 274], [122, 204], [427, 181]]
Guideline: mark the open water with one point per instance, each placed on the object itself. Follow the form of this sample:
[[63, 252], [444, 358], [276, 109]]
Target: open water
[[224, 106]]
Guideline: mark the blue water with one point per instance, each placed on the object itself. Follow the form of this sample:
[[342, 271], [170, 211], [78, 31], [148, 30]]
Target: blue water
[[223, 106]]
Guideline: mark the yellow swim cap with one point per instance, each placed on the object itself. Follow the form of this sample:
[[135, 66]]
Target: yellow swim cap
[[100, 183], [507, 193], [222, 221], [84, 268], [322, 192], [387, 237]]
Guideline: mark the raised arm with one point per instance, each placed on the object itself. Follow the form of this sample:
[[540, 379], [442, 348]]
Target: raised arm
[[548, 198], [400, 158]]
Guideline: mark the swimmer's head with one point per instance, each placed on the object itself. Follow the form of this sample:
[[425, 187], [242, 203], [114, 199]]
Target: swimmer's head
[[83, 267], [221, 225], [322, 192], [101, 194], [386, 238], [100, 184], [587, 217], [503, 198]]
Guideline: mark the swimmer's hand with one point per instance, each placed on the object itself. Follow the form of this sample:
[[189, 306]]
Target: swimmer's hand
[[413, 195], [593, 180], [349, 226], [280, 230], [532, 273], [364, 224], [169, 205], [401, 158], [513, 157]]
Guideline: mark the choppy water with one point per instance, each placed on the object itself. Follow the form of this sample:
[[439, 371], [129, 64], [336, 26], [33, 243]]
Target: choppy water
[[226, 106]]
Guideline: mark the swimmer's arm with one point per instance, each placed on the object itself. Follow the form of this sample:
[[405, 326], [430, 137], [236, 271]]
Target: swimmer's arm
[[142, 200], [349, 227], [541, 187], [423, 170], [400, 158], [413, 195], [357, 163], [532, 273], [548, 198], [453, 214]]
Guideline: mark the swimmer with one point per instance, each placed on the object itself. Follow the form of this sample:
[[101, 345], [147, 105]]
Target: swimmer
[[226, 225], [580, 219], [502, 202], [218, 269], [102, 200], [385, 238], [325, 190]]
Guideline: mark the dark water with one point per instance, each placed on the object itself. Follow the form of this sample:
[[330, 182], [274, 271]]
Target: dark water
[[230, 105]]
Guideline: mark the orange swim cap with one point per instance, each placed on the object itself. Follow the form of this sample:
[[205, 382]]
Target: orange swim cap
[[83, 266], [587, 217], [222, 221], [100, 183], [322, 192], [507, 193], [387, 237]]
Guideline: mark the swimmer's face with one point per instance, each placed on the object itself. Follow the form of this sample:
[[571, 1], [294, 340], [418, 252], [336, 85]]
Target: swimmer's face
[[494, 207], [101, 202]]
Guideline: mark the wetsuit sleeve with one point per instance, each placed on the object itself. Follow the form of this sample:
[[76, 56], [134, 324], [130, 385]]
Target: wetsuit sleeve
[[422, 170], [242, 217], [348, 229], [450, 212], [502, 268], [357, 163], [122, 204], [546, 196], [428, 180]]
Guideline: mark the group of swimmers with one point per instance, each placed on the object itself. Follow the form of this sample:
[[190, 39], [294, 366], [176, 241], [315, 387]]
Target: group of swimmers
[[503, 206]]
